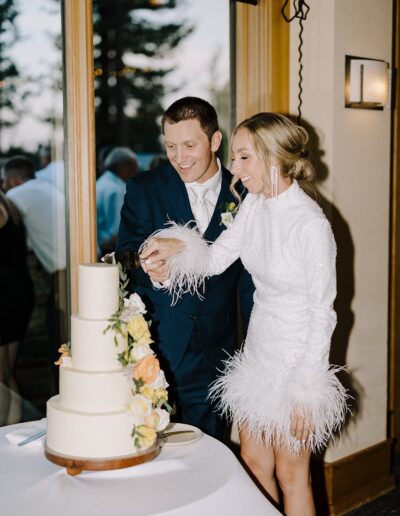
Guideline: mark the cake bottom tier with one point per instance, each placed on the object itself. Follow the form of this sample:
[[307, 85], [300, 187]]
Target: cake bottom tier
[[94, 436]]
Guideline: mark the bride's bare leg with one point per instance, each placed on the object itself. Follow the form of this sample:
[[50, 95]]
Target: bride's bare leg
[[260, 460], [293, 474]]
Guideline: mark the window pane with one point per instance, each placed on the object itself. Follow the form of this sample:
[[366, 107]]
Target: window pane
[[32, 264], [146, 55]]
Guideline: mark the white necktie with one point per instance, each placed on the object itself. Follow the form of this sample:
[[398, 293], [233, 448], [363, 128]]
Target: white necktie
[[200, 207]]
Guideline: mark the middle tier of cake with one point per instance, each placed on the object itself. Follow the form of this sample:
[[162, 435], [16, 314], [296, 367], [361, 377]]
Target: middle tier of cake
[[94, 392], [92, 347]]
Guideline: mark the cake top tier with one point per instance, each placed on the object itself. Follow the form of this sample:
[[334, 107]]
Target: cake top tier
[[98, 290]]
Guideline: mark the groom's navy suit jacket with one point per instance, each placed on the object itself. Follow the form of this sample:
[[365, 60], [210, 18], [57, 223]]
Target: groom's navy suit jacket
[[152, 199]]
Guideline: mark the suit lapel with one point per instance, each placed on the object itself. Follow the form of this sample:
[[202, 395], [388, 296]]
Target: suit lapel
[[179, 208], [215, 227]]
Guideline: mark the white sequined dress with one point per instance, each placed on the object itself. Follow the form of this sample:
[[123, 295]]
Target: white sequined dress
[[287, 245]]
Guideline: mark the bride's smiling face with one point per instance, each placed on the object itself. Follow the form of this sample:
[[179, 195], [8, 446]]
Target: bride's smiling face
[[247, 165]]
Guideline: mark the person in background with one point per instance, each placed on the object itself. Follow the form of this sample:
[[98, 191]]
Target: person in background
[[42, 207], [193, 336], [157, 161], [50, 170], [16, 305], [120, 164], [102, 153]]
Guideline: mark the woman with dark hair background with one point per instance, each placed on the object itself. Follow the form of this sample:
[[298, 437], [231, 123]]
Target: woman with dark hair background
[[16, 303]]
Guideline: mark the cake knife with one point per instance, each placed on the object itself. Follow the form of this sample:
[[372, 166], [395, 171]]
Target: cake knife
[[33, 437], [169, 434]]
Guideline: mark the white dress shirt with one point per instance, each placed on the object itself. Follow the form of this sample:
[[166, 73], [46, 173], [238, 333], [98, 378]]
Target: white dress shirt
[[203, 198]]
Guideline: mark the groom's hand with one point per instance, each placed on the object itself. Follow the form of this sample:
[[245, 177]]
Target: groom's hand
[[154, 257], [159, 249], [157, 269], [154, 265]]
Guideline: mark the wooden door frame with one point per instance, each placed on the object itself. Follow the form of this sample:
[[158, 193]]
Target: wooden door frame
[[394, 278], [79, 137], [261, 59]]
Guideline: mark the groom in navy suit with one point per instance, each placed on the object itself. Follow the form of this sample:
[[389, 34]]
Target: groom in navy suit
[[195, 335]]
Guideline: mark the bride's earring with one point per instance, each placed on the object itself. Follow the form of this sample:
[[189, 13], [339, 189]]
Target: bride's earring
[[274, 181]]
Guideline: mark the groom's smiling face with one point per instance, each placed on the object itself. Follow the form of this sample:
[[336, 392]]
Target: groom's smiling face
[[190, 151]]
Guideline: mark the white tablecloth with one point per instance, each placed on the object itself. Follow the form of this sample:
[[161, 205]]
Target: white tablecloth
[[198, 479]]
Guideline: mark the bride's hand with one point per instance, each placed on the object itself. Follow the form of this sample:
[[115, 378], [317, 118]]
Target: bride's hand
[[301, 426], [155, 255]]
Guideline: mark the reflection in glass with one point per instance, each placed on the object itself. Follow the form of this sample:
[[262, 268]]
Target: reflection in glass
[[147, 54], [32, 224], [201, 67], [132, 44]]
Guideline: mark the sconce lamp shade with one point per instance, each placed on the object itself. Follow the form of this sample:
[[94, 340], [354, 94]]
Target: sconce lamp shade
[[366, 85]]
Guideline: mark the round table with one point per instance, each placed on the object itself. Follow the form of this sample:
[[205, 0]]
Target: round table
[[199, 479]]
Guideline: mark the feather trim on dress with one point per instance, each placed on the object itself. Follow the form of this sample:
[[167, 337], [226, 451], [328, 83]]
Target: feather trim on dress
[[261, 399], [187, 269]]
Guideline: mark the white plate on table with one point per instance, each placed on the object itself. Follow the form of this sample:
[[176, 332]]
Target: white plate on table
[[193, 434]]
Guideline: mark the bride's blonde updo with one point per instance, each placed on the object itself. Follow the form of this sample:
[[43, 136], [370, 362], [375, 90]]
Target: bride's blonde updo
[[274, 135]]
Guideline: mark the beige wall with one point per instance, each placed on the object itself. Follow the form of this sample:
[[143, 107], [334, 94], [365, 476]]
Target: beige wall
[[356, 152]]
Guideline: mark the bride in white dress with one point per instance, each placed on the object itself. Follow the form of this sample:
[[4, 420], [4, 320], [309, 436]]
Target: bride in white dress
[[279, 388]]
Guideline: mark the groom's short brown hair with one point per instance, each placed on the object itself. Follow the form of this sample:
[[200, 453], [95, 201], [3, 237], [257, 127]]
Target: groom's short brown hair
[[192, 108]]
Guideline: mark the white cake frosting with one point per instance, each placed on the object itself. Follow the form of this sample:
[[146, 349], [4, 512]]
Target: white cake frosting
[[98, 293], [93, 392], [88, 419], [84, 435], [92, 348]]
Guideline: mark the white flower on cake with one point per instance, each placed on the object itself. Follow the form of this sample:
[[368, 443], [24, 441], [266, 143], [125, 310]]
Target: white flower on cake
[[140, 351], [133, 305], [160, 382], [139, 408], [135, 302], [66, 361], [164, 419]]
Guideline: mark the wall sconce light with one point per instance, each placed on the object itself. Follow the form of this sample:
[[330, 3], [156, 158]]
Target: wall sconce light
[[366, 83]]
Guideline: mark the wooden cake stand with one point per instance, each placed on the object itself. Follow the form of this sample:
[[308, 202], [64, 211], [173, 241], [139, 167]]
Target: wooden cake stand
[[75, 465]]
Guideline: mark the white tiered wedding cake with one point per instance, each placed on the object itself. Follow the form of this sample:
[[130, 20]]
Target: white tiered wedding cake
[[99, 404]]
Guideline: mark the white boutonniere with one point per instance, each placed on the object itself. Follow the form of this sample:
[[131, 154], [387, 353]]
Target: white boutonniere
[[229, 210]]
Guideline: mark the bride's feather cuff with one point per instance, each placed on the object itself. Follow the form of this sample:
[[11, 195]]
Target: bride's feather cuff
[[189, 268]]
